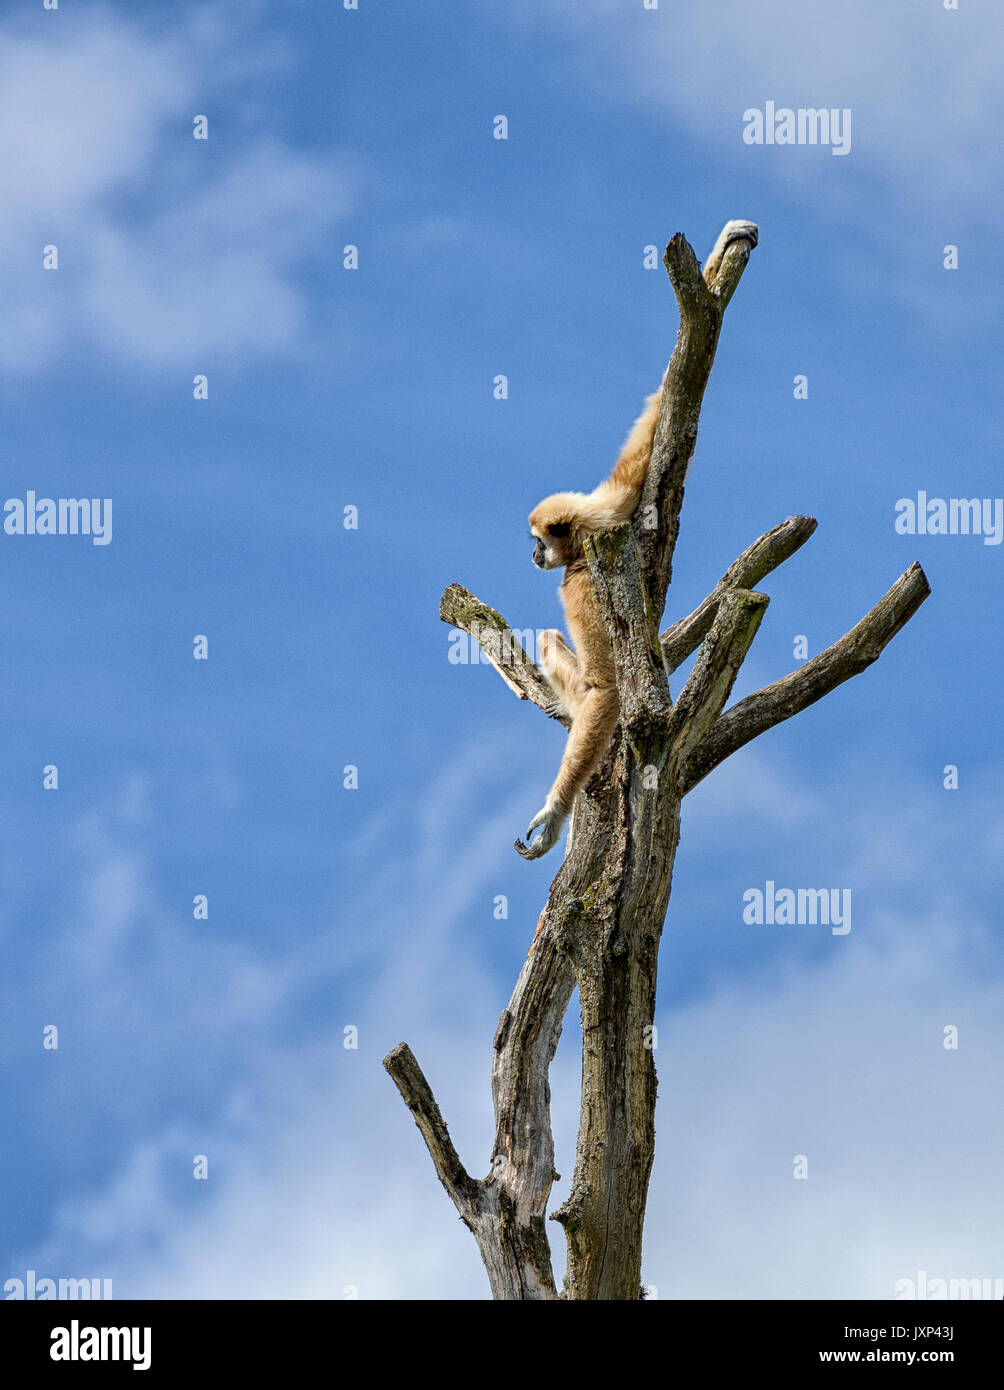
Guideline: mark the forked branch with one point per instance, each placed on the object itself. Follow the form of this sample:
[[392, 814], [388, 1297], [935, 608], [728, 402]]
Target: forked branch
[[853, 653], [764, 555]]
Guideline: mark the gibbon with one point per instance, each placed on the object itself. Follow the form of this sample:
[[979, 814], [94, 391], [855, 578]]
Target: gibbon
[[583, 678]]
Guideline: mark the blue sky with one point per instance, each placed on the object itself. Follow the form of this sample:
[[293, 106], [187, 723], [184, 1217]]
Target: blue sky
[[372, 908]]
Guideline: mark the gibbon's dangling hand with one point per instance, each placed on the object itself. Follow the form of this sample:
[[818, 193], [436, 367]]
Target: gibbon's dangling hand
[[583, 679]]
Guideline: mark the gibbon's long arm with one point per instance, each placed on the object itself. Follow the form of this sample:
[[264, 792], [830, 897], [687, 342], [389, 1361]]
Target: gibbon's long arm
[[583, 680]]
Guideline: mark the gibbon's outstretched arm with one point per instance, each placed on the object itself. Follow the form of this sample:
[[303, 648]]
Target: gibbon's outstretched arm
[[583, 679]]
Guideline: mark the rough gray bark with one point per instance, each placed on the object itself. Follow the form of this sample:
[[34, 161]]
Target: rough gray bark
[[601, 926]]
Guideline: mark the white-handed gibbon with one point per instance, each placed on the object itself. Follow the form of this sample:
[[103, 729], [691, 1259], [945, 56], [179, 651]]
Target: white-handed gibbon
[[583, 678]]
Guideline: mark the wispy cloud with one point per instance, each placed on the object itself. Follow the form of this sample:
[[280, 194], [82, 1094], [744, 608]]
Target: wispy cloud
[[705, 64], [172, 251], [314, 1161], [917, 177], [844, 1064]]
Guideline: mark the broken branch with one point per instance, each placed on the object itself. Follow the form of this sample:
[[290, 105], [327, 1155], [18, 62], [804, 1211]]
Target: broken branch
[[417, 1095], [502, 645]]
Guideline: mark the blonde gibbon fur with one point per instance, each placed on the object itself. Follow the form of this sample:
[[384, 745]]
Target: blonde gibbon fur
[[583, 679]]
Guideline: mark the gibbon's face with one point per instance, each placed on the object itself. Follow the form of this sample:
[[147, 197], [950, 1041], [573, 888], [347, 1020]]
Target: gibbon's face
[[556, 540], [551, 550]]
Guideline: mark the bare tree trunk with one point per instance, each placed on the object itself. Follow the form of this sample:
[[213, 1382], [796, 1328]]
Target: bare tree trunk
[[602, 924]]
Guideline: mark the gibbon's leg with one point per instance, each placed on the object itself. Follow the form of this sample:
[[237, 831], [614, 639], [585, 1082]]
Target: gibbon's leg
[[554, 650], [732, 231], [561, 667], [592, 727]]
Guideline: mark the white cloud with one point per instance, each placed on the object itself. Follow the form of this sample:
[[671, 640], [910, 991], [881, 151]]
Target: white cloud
[[212, 275], [846, 1065], [165, 259], [82, 112], [923, 86], [319, 1180], [926, 85], [317, 1176]]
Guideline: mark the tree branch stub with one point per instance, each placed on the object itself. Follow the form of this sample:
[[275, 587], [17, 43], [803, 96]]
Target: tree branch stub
[[417, 1095]]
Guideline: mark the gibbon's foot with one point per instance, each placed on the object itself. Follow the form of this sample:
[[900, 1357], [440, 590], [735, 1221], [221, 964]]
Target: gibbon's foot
[[736, 230], [554, 650], [557, 661], [739, 230], [551, 818]]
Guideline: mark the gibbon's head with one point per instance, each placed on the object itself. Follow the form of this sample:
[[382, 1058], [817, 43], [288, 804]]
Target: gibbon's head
[[561, 523], [556, 527]]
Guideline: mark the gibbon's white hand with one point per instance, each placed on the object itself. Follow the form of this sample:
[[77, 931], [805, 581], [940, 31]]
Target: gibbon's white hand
[[551, 820]]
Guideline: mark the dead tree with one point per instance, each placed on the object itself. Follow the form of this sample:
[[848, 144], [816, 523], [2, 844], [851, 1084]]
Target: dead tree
[[601, 927]]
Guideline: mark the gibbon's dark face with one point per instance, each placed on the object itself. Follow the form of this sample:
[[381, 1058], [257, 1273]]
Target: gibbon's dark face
[[554, 544]]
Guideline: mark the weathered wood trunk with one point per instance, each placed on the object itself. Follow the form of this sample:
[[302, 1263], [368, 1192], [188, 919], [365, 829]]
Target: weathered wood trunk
[[614, 944]]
